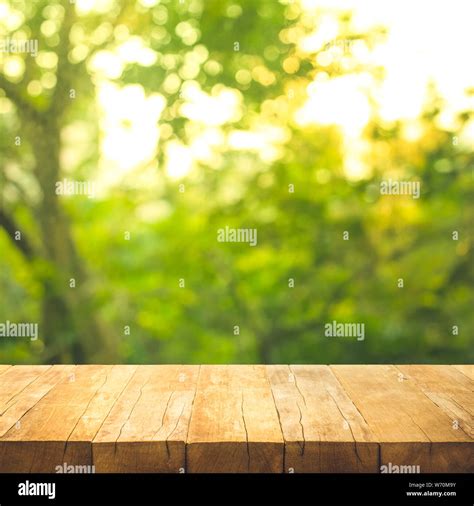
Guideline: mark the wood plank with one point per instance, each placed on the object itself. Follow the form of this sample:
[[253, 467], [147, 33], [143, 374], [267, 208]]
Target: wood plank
[[236, 418], [147, 427], [467, 370], [21, 403], [3, 368], [40, 444], [79, 443], [449, 389], [234, 425], [410, 428], [15, 379], [323, 430]]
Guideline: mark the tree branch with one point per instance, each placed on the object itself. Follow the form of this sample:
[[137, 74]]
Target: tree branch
[[24, 107], [10, 227], [65, 74]]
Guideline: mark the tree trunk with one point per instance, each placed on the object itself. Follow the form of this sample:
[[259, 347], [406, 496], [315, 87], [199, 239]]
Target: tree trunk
[[70, 328]]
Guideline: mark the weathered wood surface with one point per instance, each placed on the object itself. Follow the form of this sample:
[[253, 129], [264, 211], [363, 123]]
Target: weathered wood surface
[[146, 429], [234, 425], [323, 429], [229, 418], [410, 428]]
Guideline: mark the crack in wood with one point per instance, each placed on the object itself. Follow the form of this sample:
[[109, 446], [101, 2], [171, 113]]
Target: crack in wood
[[246, 432]]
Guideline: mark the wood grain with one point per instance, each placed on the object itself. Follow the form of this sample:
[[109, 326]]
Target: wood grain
[[449, 389], [410, 428], [15, 379], [12, 411], [146, 429], [323, 430], [467, 370], [3, 368], [234, 426], [39, 444], [255, 418]]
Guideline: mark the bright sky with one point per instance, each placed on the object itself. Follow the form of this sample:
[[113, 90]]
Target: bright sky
[[428, 41]]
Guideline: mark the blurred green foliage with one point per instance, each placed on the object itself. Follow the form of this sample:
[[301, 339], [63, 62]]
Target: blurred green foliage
[[135, 284]]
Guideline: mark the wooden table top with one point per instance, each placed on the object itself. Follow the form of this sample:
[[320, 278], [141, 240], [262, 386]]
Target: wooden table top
[[232, 418]]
